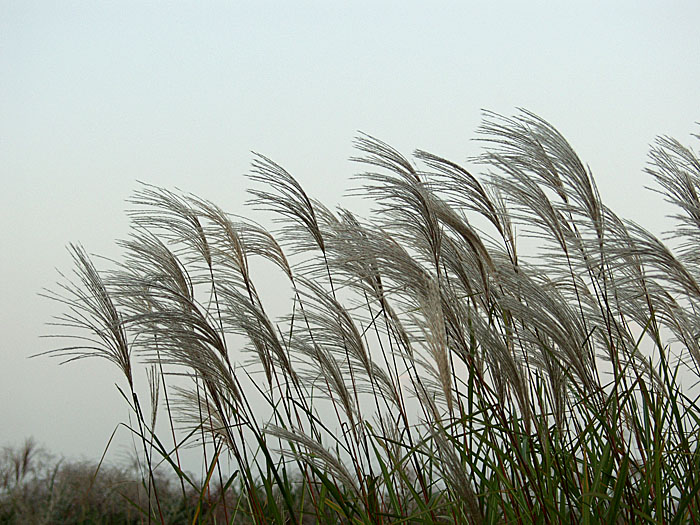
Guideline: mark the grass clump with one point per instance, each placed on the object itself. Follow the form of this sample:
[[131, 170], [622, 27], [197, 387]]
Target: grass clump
[[427, 368]]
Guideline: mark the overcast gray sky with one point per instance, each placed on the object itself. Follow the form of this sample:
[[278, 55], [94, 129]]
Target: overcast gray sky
[[97, 95]]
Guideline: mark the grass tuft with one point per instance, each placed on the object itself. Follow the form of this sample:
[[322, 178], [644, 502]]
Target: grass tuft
[[427, 368]]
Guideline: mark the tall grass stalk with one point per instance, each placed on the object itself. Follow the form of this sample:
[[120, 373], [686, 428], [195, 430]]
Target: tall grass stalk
[[427, 370]]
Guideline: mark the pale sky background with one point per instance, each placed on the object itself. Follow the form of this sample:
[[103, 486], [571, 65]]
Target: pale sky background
[[97, 95]]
